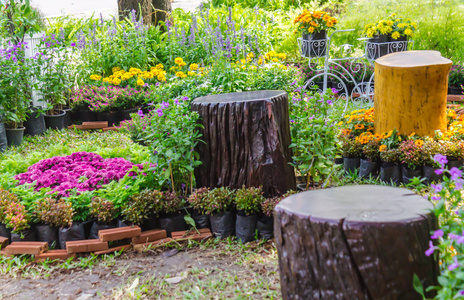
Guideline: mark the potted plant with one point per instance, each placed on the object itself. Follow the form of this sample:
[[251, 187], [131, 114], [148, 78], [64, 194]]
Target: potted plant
[[51, 214], [200, 206], [220, 208], [390, 29], [169, 209], [104, 213], [103, 102], [248, 203], [390, 168], [314, 25], [80, 104], [54, 82], [265, 223], [139, 209], [456, 80], [370, 163], [429, 150], [15, 90], [18, 219], [3, 138], [454, 151], [351, 152], [412, 159], [5, 199]]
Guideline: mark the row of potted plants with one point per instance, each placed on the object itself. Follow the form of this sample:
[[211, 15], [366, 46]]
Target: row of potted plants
[[397, 157]]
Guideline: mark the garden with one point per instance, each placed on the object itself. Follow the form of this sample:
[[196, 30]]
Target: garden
[[99, 132]]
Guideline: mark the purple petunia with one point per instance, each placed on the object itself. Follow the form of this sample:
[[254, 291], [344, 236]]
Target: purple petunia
[[432, 248], [438, 233]]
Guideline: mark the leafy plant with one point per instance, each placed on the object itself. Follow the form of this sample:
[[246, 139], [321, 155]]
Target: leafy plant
[[103, 210], [140, 207], [456, 76], [6, 198], [171, 203], [249, 200], [55, 212], [16, 217], [390, 155], [220, 200], [198, 199], [268, 205], [371, 150], [411, 154]]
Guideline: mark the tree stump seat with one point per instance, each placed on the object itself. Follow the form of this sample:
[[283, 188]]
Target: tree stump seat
[[354, 242], [246, 141]]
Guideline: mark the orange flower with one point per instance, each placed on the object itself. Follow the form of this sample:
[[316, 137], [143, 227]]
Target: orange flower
[[419, 143], [359, 126], [382, 148]]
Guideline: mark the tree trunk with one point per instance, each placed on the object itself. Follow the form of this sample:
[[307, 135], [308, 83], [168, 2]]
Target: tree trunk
[[410, 92], [162, 10], [141, 7], [247, 138], [354, 242]]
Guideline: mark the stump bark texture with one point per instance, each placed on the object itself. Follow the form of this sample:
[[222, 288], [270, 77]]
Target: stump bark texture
[[410, 92], [354, 242], [246, 141]]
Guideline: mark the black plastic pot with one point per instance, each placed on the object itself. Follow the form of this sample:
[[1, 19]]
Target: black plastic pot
[[455, 164], [67, 117], [97, 227], [35, 123], [55, 121], [338, 161], [390, 173], [29, 235], [150, 223], [245, 227], [265, 226], [122, 223], [15, 136], [351, 164], [408, 174], [85, 115], [223, 224], [201, 220], [367, 167], [126, 114], [3, 138], [49, 234], [73, 233], [455, 90], [172, 222], [111, 117], [5, 232], [430, 175]]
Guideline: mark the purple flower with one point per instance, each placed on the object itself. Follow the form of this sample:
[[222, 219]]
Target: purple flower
[[436, 198], [292, 121], [437, 187], [439, 171], [176, 101], [160, 112], [440, 159], [140, 113], [454, 265], [432, 248], [329, 102], [164, 105], [73, 44], [334, 91], [438, 233], [185, 98], [455, 173]]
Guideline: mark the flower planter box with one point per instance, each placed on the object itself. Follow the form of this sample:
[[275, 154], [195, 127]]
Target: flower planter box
[[115, 234], [53, 255], [114, 249], [83, 246], [142, 247], [32, 248], [149, 236]]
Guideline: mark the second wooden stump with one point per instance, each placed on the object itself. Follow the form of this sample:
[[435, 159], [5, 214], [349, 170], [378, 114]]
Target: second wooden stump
[[354, 242], [247, 139]]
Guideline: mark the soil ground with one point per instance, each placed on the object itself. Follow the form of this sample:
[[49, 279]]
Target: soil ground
[[216, 270]]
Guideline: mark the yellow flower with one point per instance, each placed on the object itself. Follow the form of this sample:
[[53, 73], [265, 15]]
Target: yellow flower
[[173, 68], [161, 77], [116, 81], [452, 114], [340, 123], [190, 73], [115, 69], [135, 70], [106, 79], [178, 60], [419, 143], [412, 134], [194, 67], [359, 126], [181, 74], [275, 59], [282, 56], [396, 35], [182, 64], [140, 82], [95, 77], [408, 32], [382, 148]]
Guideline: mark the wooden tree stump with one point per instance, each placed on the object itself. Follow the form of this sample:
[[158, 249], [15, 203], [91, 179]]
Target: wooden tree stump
[[247, 139], [410, 92], [354, 242]]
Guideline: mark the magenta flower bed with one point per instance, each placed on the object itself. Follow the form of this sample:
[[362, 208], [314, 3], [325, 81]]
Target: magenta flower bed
[[84, 171]]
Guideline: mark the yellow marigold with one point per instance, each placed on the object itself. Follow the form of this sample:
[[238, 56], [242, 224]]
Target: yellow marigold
[[388, 134], [155, 72], [396, 35], [251, 55], [419, 143], [311, 29], [182, 64], [140, 82], [173, 68], [340, 123], [282, 56], [452, 114], [194, 67], [161, 77], [282, 67], [190, 73], [126, 76], [95, 77], [359, 126], [275, 59], [382, 148], [115, 69], [160, 66], [116, 81], [272, 53], [181, 74], [178, 60], [346, 131], [106, 79], [408, 32], [135, 70]]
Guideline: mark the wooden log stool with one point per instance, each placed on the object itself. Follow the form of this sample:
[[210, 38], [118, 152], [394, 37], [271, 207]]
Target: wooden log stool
[[410, 92], [354, 242], [246, 141]]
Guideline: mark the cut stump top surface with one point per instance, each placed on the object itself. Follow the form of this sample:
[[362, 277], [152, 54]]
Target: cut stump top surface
[[239, 97], [411, 59], [363, 203]]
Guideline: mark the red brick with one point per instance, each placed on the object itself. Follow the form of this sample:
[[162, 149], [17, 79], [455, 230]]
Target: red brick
[[54, 254], [75, 127], [183, 234], [149, 236], [455, 98], [32, 248], [86, 246], [114, 249], [110, 129], [95, 125], [195, 237], [142, 247], [3, 252], [114, 234], [3, 242]]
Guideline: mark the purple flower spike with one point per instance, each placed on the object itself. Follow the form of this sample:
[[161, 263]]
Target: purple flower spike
[[454, 265], [432, 248], [438, 233]]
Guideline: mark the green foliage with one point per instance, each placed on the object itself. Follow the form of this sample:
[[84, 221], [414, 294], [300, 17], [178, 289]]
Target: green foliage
[[219, 200], [264, 4], [249, 200], [456, 76], [140, 207], [55, 212], [198, 199], [18, 19], [103, 210]]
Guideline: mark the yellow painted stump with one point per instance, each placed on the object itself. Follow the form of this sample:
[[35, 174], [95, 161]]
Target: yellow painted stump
[[410, 92]]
